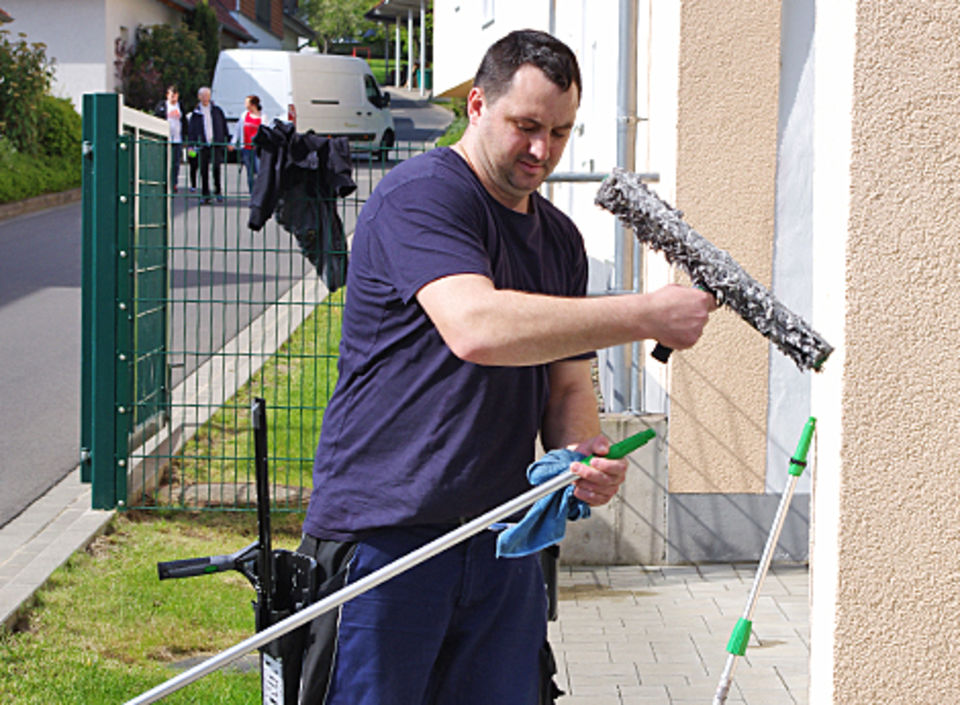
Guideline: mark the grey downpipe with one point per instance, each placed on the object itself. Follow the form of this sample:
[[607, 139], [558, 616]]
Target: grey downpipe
[[626, 357]]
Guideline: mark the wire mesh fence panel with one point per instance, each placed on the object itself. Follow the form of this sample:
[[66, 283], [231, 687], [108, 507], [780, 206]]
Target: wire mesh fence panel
[[245, 314]]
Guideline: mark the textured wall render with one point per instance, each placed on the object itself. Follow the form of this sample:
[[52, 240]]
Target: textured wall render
[[726, 177], [898, 616]]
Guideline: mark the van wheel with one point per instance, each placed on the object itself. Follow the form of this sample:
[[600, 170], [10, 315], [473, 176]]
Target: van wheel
[[386, 142]]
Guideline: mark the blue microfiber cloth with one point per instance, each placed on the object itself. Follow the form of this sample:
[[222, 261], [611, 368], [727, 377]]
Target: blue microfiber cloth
[[546, 521]]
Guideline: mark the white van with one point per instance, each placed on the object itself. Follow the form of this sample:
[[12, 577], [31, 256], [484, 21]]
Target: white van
[[331, 95]]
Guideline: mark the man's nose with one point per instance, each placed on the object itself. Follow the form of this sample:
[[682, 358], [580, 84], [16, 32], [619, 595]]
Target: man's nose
[[540, 147]]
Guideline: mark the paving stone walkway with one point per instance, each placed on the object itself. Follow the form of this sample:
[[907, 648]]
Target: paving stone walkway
[[658, 635]]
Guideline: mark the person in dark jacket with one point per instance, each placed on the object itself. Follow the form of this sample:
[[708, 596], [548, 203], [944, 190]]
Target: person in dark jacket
[[208, 134], [171, 111]]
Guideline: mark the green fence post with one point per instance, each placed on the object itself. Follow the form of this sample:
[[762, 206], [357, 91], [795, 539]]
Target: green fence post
[[125, 350], [99, 296], [87, 278]]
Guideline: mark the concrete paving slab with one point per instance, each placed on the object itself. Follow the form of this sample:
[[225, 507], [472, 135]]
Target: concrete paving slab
[[669, 646]]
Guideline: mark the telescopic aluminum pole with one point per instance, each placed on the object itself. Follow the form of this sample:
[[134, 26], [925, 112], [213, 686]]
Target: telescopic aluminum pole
[[737, 646], [438, 545]]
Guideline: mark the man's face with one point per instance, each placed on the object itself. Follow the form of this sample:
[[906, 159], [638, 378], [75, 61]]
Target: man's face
[[522, 134], [205, 98], [173, 96]]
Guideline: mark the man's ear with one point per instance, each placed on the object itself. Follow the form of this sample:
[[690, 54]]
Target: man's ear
[[476, 103]]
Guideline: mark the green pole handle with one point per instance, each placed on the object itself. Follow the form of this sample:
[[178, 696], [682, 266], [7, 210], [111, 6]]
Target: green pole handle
[[799, 460], [626, 446]]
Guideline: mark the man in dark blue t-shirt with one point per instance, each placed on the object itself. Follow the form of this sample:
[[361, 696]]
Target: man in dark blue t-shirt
[[466, 333]]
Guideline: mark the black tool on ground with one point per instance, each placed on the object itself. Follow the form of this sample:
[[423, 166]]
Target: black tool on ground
[[656, 224], [285, 582]]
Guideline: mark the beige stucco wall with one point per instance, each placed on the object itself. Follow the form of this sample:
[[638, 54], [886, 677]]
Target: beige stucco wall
[[898, 614], [726, 178]]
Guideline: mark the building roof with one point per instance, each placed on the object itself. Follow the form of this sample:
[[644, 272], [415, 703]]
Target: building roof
[[293, 22], [4, 17], [227, 22]]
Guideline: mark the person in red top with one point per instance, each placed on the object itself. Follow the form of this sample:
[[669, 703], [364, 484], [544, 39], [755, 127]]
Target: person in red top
[[247, 127]]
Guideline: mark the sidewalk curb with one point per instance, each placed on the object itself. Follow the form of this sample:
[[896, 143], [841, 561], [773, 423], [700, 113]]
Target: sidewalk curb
[[39, 203], [41, 539]]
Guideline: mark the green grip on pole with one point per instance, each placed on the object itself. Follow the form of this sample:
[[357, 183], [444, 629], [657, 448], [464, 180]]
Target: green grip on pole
[[626, 446], [739, 637], [799, 460]]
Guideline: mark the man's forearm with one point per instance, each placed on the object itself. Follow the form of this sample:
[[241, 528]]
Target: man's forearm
[[572, 414], [491, 326]]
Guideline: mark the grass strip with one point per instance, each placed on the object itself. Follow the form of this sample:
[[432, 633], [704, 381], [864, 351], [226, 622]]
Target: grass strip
[[104, 628], [296, 383]]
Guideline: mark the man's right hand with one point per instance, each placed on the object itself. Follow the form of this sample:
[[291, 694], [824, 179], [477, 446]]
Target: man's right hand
[[678, 315]]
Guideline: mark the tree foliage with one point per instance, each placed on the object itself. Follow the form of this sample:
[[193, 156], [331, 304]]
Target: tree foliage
[[336, 19], [25, 77], [163, 55], [204, 23]]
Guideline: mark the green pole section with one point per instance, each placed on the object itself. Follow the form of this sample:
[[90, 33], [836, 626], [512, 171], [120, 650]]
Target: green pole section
[[100, 118], [740, 637], [626, 446], [799, 460]]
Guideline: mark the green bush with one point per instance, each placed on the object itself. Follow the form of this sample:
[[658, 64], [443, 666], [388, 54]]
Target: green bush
[[39, 135], [163, 55], [26, 74], [459, 124], [60, 128], [25, 175]]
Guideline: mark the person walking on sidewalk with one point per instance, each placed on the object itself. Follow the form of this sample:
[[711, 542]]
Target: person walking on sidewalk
[[208, 135], [467, 332], [171, 111]]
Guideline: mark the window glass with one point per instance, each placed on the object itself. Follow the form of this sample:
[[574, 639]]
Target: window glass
[[373, 93]]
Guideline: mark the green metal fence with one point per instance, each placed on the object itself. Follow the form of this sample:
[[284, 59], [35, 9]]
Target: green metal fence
[[187, 315]]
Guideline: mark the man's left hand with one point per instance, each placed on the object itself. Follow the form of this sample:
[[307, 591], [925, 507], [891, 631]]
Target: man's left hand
[[600, 480]]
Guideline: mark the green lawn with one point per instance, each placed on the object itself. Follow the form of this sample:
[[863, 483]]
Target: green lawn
[[104, 628]]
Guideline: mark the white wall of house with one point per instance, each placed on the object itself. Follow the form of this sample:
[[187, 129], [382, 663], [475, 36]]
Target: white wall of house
[[81, 39], [463, 29], [835, 46]]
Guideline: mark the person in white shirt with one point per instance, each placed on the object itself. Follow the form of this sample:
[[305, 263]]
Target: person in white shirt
[[171, 110]]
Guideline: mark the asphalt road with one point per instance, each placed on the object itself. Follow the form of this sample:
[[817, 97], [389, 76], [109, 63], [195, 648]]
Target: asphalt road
[[40, 322], [39, 354]]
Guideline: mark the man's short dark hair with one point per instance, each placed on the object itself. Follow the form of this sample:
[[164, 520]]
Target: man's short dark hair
[[527, 46]]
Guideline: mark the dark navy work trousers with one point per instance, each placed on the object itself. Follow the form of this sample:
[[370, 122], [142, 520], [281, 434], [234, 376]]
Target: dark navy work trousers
[[463, 628]]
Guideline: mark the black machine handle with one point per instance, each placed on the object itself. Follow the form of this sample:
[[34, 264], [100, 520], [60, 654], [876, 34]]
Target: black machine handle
[[194, 566], [661, 353], [188, 567]]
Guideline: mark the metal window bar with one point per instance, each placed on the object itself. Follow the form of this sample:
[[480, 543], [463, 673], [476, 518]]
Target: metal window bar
[[628, 398]]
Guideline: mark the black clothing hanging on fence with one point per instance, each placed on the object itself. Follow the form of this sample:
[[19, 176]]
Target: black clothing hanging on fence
[[300, 177]]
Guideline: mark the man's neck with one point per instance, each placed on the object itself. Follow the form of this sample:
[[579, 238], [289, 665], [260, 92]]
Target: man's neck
[[520, 206]]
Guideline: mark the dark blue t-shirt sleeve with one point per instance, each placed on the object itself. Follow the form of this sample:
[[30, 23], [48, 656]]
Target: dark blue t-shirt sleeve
[[425, 234]]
